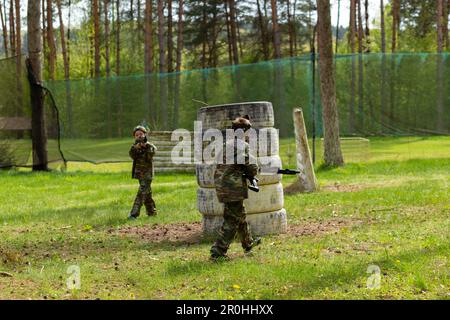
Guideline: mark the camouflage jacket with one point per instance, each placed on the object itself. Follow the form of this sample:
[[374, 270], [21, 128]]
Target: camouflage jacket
[[142, 161], [229, 181]]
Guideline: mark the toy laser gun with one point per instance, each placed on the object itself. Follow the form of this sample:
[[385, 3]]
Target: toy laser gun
[[141, 140], [253, 181]]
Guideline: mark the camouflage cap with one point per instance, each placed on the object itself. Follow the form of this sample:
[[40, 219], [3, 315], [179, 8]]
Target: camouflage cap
[[140, 128], [241, 123]]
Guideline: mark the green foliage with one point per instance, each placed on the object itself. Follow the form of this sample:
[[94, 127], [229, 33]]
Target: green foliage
[[419, 17], [417, 28]]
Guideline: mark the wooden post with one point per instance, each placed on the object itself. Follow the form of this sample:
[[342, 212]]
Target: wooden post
[[306, 181]]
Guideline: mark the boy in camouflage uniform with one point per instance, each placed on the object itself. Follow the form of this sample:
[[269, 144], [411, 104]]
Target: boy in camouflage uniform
[[142, 153], [231, 190]]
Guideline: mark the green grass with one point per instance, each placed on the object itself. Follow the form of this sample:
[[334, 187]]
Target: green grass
[[395, 206]]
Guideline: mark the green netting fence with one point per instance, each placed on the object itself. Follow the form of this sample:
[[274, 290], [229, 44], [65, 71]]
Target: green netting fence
[[15, 119], [377, 95]]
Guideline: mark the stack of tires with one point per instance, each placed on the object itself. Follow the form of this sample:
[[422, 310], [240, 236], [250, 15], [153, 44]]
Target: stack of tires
[[163, 157], [265, 212]]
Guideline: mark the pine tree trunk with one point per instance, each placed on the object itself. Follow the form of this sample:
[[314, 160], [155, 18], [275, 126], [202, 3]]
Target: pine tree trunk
[[229, 45], [332, 149], [51, 42], [238, 31], [293, 26], [162, 64], [91, 57], [383, 29], [291, 32], [148, 58], [118, 86], [18, 35], [4, 30], [360, 70], [12, 29], [352, 42], [440, 25], [162, 47], [367, 31], [66, 70], [178, 64], [383, 69], [18, 41], [214, 54], [352, 26], [233, 27], [204, 43], [395, 23], [148, 29], [263, 31], [439, 66], [39, 136], [107, 34], [290, 29], [45, 57], [276, 30], [360, 27], [139, 17], [337, 27], [446, 12], [63, 41], [395, 10], [269, 33], [179, 35], [96, 14], [132, 13], [107, 66], [169, 56], [169, 37]]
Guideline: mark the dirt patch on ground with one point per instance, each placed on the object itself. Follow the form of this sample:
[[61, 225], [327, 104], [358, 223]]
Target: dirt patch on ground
[[344, 187], [14, 288], [298, 188], [321, 227], [191, 233], [188, 233]]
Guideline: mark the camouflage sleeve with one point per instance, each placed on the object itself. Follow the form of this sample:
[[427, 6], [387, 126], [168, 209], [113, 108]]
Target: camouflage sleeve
[[251, 166], [133, 152], [251, 170], [151, 149]]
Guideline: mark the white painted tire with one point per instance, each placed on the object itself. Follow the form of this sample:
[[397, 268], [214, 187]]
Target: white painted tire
[[260, 224], [219, 116], [269, 198], [267, 142], [205, 172]]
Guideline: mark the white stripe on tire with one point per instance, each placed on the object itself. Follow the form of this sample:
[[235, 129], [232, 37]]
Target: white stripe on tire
[[260, 224], [269, 198]]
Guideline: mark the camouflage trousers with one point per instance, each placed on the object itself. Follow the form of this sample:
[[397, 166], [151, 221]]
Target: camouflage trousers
[[144, 197], [234, 223]]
